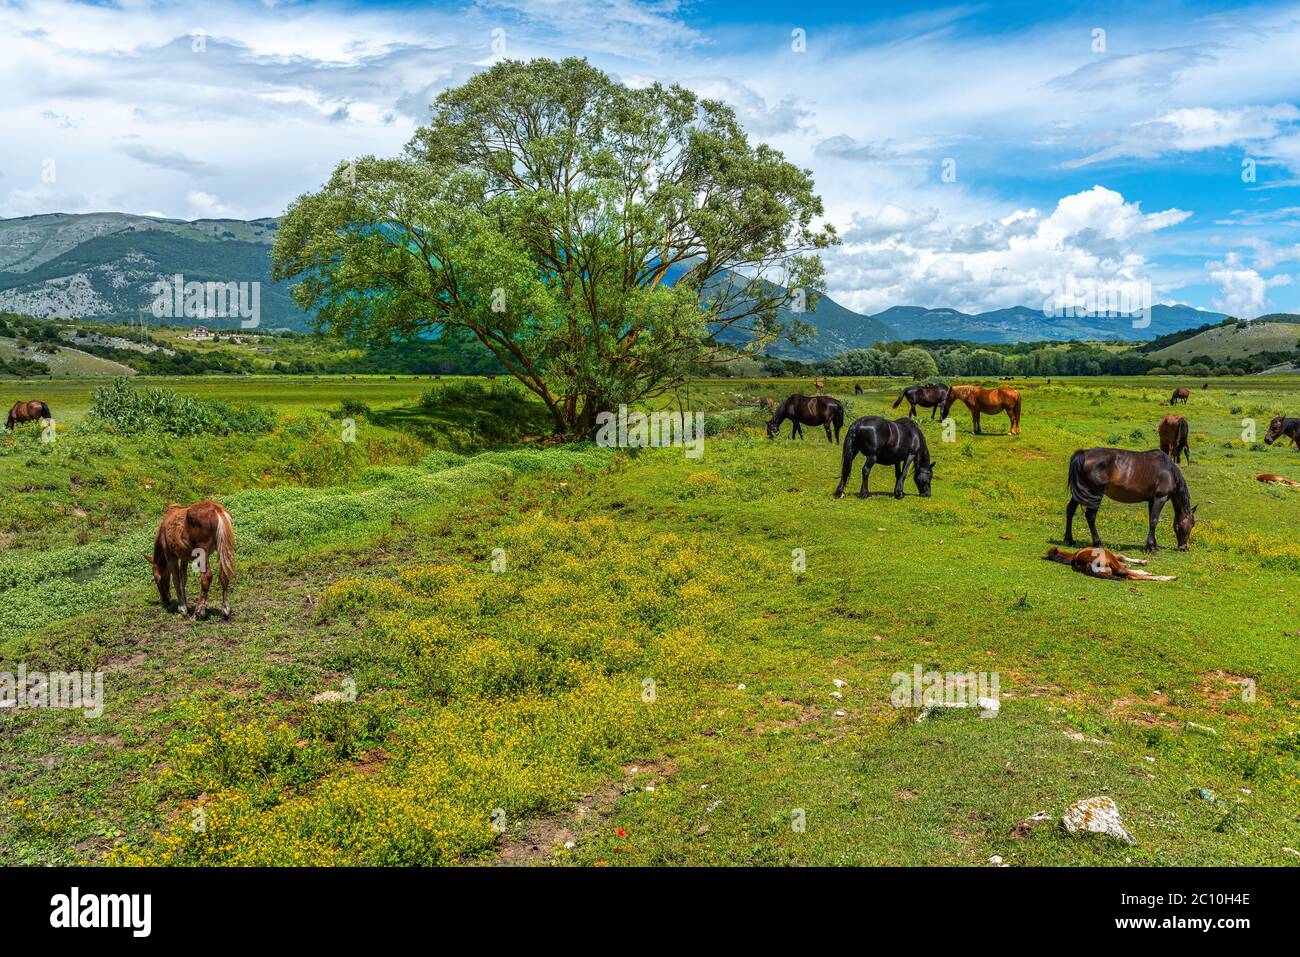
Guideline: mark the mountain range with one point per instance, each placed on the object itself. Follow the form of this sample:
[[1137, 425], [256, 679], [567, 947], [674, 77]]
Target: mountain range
[[103, 266]]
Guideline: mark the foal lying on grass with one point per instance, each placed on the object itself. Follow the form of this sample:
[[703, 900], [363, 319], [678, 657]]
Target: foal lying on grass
[[1274, 479], [1102, 563]]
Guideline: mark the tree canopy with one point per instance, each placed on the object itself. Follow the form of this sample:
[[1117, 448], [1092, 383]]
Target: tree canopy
[[601, 241]]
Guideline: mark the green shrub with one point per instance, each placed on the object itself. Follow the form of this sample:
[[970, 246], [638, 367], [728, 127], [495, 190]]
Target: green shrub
[[131, 411]]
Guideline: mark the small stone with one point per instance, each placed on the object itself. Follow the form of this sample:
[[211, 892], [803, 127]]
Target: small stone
[[713, 806], [1096, 815], [995, 859], [836, 694], [649, 787], [839, 714], [1200, 728], [328, 697], [701, 830], [740, 687], [569, 845], [989, 707], [839, 682]]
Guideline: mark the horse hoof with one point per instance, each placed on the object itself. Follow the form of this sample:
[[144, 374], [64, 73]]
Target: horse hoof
[[1182, 548], [898, 495]]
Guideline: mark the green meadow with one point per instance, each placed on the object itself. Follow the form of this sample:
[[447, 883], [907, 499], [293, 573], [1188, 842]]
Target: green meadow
[[453, 643]]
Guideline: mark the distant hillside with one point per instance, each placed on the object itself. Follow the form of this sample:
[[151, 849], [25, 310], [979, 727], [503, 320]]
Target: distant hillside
[[1023, 324], [1279, 334], [103, 266]]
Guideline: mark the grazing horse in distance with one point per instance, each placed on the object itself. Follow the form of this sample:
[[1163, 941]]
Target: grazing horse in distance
[[197, 531], [1101, 563], [767, 404], [992, 401], [1180, 395], [32, 411], [857, 388], [1281, 426], [1125, 476], [804, 410], [1173, 437], [927, 396], [819, 385], [900, 443], [1274, 479]]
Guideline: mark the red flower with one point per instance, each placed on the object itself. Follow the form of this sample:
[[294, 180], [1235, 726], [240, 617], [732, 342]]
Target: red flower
[[620, 832]]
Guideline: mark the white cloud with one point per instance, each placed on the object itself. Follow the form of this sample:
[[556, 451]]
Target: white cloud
[[893, 255], [1192, 129], [1243, 291]]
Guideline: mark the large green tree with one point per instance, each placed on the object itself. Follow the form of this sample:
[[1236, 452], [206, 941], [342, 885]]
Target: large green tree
[[601, 241]]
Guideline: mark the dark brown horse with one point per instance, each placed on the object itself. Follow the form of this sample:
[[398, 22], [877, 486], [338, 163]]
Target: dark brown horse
[[900, 443], [1282, 426], [992, 401], [32, 411], [804, 410], [1125, 476], [926, 396], [1180, 395], [857, 388], [1101, 563], [193, 533], [1173, 437]]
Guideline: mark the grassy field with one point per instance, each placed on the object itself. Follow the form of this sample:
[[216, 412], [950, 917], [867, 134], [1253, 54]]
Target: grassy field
[[444, 653]]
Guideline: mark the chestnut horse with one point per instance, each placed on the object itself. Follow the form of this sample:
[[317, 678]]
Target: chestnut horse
[[193, 532], [1125, 476], [900, 443], [804, 410], [32, 411], [1180, 395], [1280, 427], [1173, 437], [1273, 478], [992, 401], [1100, 563], [926, 396]]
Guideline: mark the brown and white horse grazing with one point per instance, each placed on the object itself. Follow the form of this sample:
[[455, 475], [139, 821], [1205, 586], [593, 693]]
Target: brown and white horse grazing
[[189, 533], [1101, 563], [1173, 437], [820, 384], [1180, 395], [32, 411], [1274, 479], [992, 401]]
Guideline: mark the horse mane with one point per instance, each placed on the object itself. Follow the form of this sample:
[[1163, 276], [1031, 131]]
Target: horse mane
[[1182, 498]]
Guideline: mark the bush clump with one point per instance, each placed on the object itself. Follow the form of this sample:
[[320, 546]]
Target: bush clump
[[132, 411]]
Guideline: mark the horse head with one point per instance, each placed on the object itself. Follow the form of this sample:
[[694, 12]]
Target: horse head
[[923, 475], [1274, 430]]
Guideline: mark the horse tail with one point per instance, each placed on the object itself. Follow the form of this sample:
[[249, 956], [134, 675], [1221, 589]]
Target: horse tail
[[1079, 490], [899, 401], [849, 454], [838, 412], [225, 546]]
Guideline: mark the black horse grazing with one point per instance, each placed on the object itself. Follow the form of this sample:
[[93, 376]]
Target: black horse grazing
[[1125, 476], [899, 443], [804, 410], [926, 396], [1281, 426]]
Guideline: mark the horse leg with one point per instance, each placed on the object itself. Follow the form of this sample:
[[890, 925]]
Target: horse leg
[[827, 426], [180, 572], [900, 474], [866, 473], [205, 583], [1091, 515], [1154, 508], [911, 409], [975, 420], [1069, 521]]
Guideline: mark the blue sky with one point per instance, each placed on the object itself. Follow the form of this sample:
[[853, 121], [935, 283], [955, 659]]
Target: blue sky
[[1085, 143]]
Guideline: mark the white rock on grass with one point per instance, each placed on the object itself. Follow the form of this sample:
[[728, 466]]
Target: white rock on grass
[[328, 697], [839, 682], [1096, 815]]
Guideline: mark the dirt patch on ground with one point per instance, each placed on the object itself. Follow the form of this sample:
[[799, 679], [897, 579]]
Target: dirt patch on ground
[[1220, 687], [1150, 712], [537, 843]]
